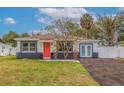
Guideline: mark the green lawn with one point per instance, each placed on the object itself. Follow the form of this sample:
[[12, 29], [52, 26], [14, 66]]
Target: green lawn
[[119, 59], [36, 72]]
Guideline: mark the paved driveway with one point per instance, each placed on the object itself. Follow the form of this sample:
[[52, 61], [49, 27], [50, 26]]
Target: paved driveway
[[105, 71]]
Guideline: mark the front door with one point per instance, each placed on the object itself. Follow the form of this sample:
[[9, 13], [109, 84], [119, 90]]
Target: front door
[[86, 50], [46, 53]]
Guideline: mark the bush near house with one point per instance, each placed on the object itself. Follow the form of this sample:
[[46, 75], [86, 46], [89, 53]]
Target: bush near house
[[36, 72], [121, 43]]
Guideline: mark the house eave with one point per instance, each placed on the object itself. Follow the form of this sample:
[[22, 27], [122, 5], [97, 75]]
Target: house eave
[[26, 39], [88, 40], [46, 40]]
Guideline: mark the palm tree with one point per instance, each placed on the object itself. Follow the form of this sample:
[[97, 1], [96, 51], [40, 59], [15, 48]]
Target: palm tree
[[109, 27], [86, 23], [121, 20]]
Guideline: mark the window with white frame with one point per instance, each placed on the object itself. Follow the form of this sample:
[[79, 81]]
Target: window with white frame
[[25, 46], [33, 46], [28, 46]]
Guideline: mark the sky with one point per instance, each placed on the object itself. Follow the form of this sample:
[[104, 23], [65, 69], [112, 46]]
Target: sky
[[30, 19]]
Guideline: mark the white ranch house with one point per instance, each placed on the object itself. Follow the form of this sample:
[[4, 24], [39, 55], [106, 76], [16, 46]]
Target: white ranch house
[[43, 47]]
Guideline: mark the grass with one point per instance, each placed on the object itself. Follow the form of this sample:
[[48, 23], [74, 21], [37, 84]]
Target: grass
[[36, 72], [119, 59]]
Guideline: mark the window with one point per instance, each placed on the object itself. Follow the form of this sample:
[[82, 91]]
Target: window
[[28, 46], [25, 46], [65, 46], [33, 46]]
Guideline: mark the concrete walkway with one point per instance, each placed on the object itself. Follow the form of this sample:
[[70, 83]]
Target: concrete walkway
[[63, 60]]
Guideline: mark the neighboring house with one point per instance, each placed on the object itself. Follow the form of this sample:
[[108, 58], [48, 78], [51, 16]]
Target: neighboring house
[[6, 49], [43, 47]]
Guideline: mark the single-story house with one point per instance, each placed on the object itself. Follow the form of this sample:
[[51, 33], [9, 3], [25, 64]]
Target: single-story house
[[43, 47]]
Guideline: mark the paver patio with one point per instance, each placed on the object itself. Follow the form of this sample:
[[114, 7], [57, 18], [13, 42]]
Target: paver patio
[[107, 72]]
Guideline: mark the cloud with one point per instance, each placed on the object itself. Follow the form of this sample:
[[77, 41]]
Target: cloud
[[0, 20], [55, 13], [47, 15], [44, 20], [94, 17], [36, 31], [9, 21], [63, 12]]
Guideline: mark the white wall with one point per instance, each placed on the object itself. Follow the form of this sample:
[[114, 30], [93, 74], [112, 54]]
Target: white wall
[[53, 48], [111, 52], [77, 43], [13, 51], [103, 52], [18, 46], [39, 46], [95, 47]]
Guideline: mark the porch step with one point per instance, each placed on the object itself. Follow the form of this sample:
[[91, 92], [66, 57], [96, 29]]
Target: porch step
[[61, 60]]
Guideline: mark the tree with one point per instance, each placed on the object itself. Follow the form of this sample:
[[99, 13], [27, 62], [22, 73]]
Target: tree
[[109, 27], [64, 31], [25, 35], [9, 38], [121, 29], [121, 36], [86, 22]]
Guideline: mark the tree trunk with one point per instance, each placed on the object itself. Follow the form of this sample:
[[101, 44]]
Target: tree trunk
[[65, 54]]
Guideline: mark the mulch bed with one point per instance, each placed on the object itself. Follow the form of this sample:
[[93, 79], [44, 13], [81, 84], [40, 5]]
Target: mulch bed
[[107, 72]]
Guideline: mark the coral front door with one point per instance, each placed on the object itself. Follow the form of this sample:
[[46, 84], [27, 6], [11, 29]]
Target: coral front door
[[46, 53]]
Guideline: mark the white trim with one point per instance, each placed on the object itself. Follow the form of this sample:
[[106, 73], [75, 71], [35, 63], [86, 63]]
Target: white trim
[[46, 41], [26, 39], [46, 57], [28, 47], [86, 50], [28, 51]]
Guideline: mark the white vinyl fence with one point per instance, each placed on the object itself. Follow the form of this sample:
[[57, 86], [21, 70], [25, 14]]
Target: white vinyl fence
[[13, 51], [6, 50], [111, 52]]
